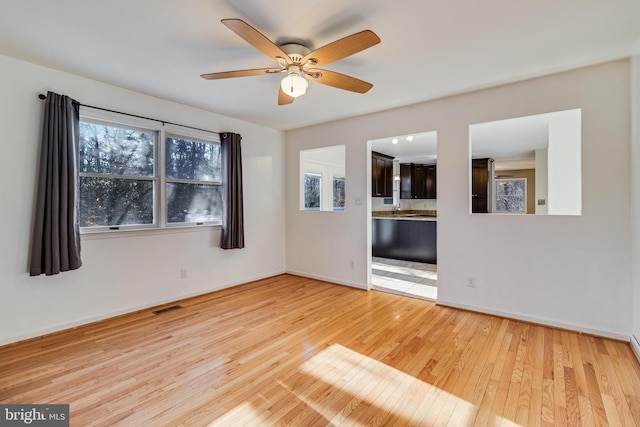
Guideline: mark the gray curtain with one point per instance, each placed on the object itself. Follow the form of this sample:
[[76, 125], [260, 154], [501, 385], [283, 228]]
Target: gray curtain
[[55, 236], [232, 211]]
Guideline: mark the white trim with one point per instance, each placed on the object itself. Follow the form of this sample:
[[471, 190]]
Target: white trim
[[87, 320], [538, 320], [88, 234], [635, 346], [327, 279], [197, 135]]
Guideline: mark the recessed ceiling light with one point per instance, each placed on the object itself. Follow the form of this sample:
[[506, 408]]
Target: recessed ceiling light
[[409, 138], [394, 141]]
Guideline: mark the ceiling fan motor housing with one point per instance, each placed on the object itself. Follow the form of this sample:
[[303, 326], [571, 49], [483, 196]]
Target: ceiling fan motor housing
[[295, 51]]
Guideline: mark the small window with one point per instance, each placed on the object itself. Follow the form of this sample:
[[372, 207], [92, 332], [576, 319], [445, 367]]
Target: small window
[[312, 191], [338, 194], [511, 195]]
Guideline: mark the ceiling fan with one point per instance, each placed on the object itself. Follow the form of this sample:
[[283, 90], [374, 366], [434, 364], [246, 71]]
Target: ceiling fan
[[299, 62]]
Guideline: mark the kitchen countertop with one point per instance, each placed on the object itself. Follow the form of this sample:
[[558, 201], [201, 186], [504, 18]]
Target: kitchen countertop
[[413, 215]]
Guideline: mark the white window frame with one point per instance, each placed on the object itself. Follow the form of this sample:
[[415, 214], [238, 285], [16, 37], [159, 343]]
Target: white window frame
[[161, 130]]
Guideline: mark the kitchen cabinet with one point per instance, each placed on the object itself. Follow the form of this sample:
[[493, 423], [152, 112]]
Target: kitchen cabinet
[[481, 185], [404, 239], [418, 181], [381, 175], [430, 182]]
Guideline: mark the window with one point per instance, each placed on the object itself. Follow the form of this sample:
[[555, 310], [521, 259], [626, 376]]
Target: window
[[312, 191], [141, 177], [322, 179], [511, 195], [193, 172], [338, 194]]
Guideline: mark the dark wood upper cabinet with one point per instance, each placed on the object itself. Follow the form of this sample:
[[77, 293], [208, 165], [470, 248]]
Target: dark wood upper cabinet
[[417, 181], [381, 175], [405, 180], [431, 182], [481, 170]]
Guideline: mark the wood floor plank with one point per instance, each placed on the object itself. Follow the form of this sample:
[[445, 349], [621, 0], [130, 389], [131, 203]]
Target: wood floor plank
[[295, 351]]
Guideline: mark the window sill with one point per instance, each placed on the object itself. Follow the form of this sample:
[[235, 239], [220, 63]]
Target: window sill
[[116, 234]]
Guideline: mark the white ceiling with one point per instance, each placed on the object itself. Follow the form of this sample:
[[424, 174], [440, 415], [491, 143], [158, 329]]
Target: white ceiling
[[429, 49]]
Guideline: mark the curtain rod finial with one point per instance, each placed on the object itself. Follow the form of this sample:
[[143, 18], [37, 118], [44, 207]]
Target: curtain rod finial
[[43, 97]]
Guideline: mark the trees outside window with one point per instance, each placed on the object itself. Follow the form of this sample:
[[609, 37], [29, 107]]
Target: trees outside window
[[312, 191], [338, 194], [123, 186]]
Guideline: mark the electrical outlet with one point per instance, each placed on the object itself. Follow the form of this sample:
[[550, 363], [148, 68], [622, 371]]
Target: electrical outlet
[[184, 273], [471, 282], [357, 201]]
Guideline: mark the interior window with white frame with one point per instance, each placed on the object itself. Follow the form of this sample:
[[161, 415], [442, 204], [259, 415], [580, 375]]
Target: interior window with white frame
[[136, 175]]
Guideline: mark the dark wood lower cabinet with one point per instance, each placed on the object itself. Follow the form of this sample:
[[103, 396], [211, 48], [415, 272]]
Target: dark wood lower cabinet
[[408, 240]]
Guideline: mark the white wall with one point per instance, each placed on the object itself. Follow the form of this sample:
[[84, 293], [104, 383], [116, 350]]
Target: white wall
[[564, 161], [542, 179], [635, 198], [568, 271], [122, 274]]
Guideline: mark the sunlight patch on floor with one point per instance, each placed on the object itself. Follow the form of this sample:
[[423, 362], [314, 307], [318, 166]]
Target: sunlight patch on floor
[[340, 386], [371, 382], [240, 415]]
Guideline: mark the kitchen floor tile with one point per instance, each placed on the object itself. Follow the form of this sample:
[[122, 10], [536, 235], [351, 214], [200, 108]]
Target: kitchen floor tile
[[408, 278]]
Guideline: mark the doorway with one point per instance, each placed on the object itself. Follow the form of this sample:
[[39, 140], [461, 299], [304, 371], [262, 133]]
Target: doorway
[[403, 215]]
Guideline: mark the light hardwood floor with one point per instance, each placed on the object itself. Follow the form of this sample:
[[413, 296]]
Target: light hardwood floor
[[295, 351]]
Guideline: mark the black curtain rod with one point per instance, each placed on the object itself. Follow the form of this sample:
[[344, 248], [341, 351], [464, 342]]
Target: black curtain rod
[[164, 122]]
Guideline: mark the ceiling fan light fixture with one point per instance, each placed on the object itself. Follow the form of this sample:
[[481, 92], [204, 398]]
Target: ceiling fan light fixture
[[294, 85]]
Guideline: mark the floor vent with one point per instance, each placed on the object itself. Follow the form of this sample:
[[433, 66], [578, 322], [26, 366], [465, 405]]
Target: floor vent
[[164, 310]]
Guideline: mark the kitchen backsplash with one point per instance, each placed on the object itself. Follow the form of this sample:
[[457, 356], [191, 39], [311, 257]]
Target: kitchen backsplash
[[377, 204]]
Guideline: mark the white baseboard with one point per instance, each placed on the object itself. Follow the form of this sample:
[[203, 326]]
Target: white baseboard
[[327, 279], [80, 322], [635, 346], [539, 320]]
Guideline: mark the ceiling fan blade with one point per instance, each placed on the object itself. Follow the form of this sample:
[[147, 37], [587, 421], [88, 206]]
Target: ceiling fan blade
[[241, 73], [256, 39], [342, 48], [284, 99], [341, 81]]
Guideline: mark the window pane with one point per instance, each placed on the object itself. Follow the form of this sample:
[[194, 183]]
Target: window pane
[[114, 201], [118, 151], [312, 188], [193, 203], [338, 194], [192, 160]]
